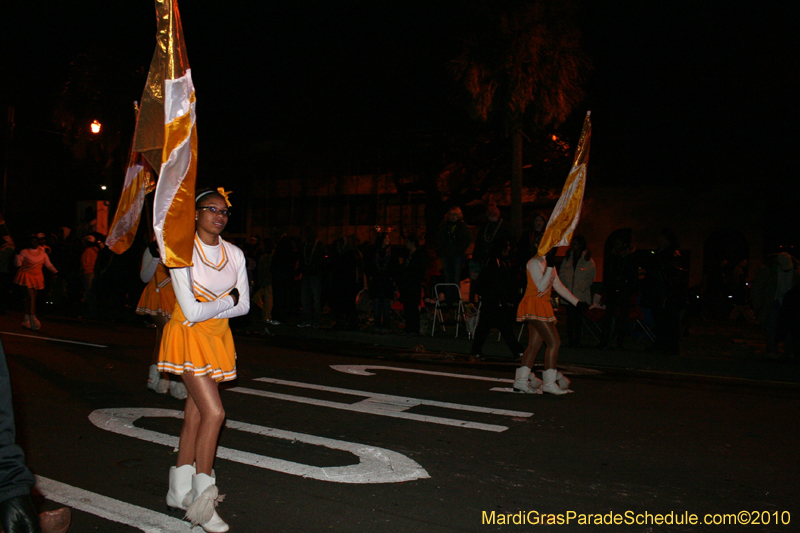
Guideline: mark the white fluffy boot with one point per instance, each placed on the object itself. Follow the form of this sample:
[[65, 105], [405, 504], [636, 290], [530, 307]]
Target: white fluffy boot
[[202, 511], [26, 322], [562, 381], [535, 382], [155, 382], [522, 383], [550, 384], [177, 390], [180, 487]]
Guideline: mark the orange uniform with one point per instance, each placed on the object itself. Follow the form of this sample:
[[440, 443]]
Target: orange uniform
[[198, 339]]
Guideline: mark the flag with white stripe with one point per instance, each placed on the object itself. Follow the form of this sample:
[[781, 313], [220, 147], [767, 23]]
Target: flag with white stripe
[[173, 206], [138, 176], [567, 212]]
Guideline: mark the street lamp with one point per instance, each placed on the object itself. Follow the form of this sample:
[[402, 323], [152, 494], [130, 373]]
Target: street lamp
[[95, 126]]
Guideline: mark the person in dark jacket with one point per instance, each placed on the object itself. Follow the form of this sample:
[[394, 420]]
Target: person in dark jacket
[[380, 269], [312, 256], [346, 280], [620, 276], [283, 261], [666, 287], [788, 327], [409, 282], [495, 228], [772, 283], [17, 513], [498, 299], [454, 239]]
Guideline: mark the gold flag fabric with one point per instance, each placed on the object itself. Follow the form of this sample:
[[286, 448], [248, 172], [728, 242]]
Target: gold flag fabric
[[169, 62], [567, 212], [126, 220], [173, 205]]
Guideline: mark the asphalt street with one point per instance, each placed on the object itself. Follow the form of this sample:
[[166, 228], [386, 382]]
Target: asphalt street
[[340, 436]]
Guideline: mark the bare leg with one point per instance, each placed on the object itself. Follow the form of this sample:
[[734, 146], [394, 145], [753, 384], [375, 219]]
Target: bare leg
[[26, 302], [29, 301], [32, 297], [535, 341], [203, 418], [548, 332]]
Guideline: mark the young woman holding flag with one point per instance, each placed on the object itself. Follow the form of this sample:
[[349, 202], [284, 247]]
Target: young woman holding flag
[[198, 344], [536, 310]]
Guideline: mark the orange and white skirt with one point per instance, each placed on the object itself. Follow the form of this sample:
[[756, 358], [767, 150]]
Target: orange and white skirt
[[31, 278], [202, 349], [535, 307], [157, 299]]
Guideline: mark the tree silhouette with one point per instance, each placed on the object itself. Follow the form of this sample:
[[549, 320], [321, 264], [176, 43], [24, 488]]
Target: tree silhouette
[[522, 60], [100, 85]]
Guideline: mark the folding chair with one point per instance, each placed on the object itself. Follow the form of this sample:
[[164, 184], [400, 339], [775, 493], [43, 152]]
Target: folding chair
[[593, 328], [636, 321], [438, 291], [591, 320], [396, 307], [472, 315]]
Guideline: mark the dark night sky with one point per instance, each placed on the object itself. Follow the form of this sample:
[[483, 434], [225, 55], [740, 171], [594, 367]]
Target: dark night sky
[[681, 92]]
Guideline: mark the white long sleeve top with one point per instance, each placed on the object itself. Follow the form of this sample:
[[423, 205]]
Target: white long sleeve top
[[545, 278], [29, 259], [216, 271], [149, 266]]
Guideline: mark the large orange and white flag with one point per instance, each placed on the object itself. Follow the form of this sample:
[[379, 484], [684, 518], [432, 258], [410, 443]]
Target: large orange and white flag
[[138, 177], [165, 141], [567, 212], [173, 206]]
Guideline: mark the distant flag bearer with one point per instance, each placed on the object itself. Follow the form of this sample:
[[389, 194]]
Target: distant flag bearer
[[535, 308]]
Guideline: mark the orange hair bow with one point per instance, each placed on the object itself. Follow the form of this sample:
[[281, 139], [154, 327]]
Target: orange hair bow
[[225, 194]]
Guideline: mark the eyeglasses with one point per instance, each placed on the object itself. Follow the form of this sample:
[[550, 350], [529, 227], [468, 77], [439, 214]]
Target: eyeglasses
[[214, 210]]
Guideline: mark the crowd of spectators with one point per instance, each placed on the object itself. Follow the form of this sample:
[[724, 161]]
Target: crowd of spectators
[[386, 284]]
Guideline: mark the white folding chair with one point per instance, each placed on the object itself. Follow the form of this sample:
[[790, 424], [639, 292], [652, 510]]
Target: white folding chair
[[442, 289], [647, 331], [592, 327]]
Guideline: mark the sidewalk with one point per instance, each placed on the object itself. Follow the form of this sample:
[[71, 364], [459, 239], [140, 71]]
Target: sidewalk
[[712, 349]]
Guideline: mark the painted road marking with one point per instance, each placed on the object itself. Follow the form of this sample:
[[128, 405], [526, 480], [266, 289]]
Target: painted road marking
[[109, 508], [362, 370], [384, 404], [53, 339], [511, 390], [376, 465]]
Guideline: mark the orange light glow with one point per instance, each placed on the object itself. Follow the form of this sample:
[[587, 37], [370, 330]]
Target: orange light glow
[[95, 126]]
